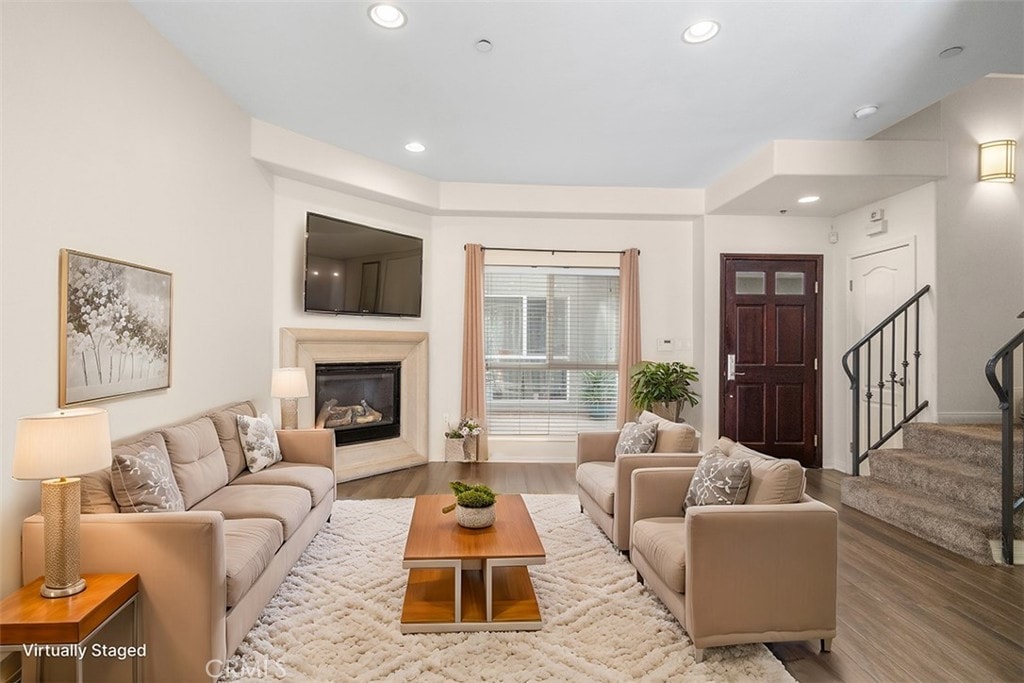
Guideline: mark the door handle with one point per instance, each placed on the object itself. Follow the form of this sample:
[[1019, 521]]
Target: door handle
[[731, 373]]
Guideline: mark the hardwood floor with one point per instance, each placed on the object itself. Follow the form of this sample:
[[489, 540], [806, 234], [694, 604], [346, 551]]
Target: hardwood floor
[[908, 610]]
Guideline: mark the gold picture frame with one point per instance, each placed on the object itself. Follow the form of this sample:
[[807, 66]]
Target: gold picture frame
[[115, 328]]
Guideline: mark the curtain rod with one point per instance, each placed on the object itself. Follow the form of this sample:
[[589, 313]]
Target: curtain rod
[[556, 251]]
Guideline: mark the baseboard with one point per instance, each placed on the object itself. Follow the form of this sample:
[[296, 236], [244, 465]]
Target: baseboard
[[969, 418], [1018, 552]]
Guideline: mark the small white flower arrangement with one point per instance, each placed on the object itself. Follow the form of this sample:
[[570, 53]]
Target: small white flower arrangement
[[467, 426]]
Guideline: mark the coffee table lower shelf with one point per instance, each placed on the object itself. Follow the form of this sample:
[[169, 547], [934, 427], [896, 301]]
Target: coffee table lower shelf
[[431, 607]]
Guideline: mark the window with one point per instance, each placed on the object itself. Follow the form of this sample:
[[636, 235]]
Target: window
[[551, 349]]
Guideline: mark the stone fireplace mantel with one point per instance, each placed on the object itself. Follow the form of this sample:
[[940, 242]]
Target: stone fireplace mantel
[[305, 347]]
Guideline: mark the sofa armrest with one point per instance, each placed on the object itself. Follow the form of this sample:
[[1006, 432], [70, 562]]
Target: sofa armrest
[[180, 560], [624, 467], [758, 568], [659, 492], [595, 447], [311, 446]]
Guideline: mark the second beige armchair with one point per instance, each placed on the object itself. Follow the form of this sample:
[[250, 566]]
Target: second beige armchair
[[604, 479]]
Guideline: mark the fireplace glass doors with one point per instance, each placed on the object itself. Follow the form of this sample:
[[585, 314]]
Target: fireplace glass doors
[[359, 401]]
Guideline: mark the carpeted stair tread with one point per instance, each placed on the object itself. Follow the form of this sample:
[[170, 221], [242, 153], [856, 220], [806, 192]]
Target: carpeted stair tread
[[977, 443], [951, 526], [945, 479]]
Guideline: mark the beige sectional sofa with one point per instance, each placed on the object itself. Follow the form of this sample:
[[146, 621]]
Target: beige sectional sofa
[[763, 571], [205, 573], [603, 478]]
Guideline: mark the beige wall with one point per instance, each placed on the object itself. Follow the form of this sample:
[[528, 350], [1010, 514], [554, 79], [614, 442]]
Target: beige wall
[[980, 247], [114, 144]]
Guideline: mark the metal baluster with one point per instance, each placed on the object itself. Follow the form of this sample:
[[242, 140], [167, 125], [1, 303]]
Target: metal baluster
[[855, 386], [867, 407], [917, 353], [892, 377], [881, 383], [903, 381]]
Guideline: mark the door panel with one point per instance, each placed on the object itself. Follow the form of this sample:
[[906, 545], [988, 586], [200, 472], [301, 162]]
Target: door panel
[[771, 318]]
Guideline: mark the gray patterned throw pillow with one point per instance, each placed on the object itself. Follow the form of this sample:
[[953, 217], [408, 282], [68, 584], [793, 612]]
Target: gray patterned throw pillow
[[259, 442], [144, 482], [637, 438], [719, 480]]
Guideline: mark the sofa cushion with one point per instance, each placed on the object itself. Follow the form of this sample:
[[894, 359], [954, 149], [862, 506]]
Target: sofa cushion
[[672, 437], [719, 480], [97, 492], [144, 482], [289, 505], [662, 542], [316, 479], [772, 480], [636, 438], [196, 458], [249, 546], [226, 424], [259, 442], [598, 480]]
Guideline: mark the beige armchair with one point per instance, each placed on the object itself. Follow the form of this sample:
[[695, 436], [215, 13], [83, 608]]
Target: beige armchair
[[735, 574], [604, 479]]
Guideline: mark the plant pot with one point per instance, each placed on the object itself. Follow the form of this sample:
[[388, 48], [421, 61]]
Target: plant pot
[[454, 450], [469, 448], [474, 518]]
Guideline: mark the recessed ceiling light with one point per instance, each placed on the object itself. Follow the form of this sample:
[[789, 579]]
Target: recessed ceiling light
[[415, 147], [387, 16], [809, 199], [866, 111], [701, 32], [951, 52], [484, 45]]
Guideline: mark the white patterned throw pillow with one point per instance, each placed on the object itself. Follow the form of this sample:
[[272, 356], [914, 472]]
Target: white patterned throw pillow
[[637, 438], [144, 482], [259, 442], [719, 480]]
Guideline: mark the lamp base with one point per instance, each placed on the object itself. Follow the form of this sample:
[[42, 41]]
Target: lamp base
[[289, 413], [48, 592], [61, 506]]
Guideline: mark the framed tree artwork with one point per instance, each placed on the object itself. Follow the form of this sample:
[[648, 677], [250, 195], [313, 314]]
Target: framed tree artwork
[[115, 328]]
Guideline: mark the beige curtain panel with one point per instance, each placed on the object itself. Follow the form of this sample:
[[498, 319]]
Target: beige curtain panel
[[629, 327], [473, 400]]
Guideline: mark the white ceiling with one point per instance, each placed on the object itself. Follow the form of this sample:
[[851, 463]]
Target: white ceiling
[[587, 93]]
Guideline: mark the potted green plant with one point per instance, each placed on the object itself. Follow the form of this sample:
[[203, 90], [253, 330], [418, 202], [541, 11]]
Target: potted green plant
[[598, 393], [474, 505], [665, 386]]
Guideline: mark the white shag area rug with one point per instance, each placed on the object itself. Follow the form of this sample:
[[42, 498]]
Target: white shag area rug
[[336, 616]]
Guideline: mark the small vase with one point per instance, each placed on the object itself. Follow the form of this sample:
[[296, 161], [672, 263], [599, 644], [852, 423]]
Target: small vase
[[469, 448], [454, 450], [474, 518]]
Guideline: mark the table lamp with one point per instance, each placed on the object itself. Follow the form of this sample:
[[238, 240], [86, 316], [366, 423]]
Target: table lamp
[[54, 447], [289, 384]]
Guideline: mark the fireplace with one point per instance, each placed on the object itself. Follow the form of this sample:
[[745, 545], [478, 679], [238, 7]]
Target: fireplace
[[359, 401]]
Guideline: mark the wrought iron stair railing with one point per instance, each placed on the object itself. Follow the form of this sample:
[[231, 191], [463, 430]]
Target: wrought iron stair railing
[[1002, 384], [890, 358]]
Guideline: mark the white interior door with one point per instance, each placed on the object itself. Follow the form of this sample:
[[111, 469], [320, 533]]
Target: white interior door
[[879, 281]]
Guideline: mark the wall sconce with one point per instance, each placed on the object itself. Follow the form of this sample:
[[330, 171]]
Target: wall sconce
[[996, 161]]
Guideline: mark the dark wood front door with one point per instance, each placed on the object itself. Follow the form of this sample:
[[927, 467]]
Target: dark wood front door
[[770, 351]]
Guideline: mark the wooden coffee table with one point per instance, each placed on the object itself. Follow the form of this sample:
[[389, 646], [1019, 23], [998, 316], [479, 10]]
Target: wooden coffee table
[[470, 579]]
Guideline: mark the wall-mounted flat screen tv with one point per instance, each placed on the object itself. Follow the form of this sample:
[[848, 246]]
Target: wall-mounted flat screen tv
[[354, 269]]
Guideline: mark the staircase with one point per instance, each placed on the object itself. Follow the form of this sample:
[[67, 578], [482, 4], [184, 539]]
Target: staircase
[[943, 485]]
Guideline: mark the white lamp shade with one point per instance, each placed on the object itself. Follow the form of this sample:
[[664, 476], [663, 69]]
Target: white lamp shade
[[996, 161], [61, 444], [289, 383]]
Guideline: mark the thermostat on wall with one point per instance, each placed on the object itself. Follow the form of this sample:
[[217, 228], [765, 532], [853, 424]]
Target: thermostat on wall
[[666, 344]]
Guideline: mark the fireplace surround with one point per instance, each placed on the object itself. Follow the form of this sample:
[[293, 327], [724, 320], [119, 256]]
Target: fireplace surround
[[307, 347]]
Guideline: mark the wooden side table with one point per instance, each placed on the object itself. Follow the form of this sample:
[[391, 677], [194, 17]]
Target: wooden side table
[[64, 626]]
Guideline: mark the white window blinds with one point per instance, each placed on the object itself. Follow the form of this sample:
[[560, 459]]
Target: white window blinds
[[551, 339]]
